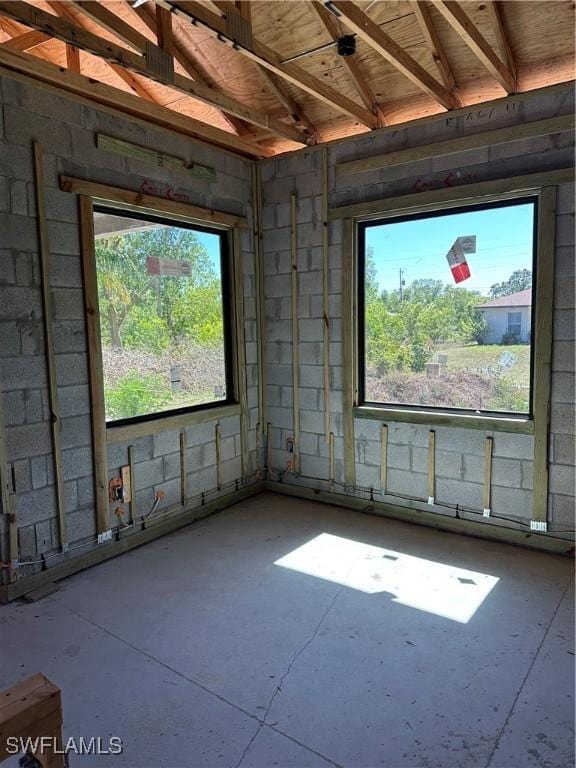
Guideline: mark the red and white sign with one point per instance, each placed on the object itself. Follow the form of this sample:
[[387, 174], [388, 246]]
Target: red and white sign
[[456, 257], [170, 267]]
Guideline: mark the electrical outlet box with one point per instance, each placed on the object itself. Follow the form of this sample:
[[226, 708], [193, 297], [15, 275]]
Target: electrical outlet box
[[105, 536]]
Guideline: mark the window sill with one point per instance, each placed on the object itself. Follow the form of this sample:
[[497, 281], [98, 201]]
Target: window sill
[[126, 432], [521, 425]]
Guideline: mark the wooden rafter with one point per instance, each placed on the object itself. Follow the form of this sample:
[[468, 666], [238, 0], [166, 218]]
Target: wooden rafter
[[273, 83], [112, 23], [71, 33], [56, 78], [184, 57], [465, 27], [334, 29], [496, 11], [27, 40], [72, 58], [64, 11], [164, 30], [437, 49], [267, 58], [377, 39]]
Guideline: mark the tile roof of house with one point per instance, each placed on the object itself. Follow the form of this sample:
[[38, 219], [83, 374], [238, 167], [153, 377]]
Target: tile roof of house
[[520, 299]]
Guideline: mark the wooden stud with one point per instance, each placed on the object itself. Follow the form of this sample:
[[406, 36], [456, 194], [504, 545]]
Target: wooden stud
[[96, 376], [72, 58], [434, 43], [68, 32], [348, 343], [200, 16], [53, 79], [511, 185], [488, 446], [325, 296], [241, 351], [542, 341], [133, 509], [431, 466], [48, 323], [218, 440], [376, 38], [383, 458], [559, 124], [259, 278], [268, 449], [331, 460], [160, 204], [465, 27], [7, 502], [126, 484], [183, 470], [295, 330]]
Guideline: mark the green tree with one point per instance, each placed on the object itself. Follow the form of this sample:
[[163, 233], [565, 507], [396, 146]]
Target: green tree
[[518, 281]]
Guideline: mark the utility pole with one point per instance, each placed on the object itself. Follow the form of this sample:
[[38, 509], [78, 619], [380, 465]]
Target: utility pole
[[401, 285]]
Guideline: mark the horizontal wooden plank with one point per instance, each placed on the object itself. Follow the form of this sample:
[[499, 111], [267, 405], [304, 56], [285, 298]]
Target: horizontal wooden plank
[[141, 200], [46, 74], [446, 419], [559, 124], [473, 192], [127, 432]]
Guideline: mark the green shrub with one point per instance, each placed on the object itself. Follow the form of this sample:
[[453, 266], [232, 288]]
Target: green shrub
[[136, 395], [144, 330]]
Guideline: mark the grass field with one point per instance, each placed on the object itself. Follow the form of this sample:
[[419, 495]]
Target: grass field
[[478, 358]]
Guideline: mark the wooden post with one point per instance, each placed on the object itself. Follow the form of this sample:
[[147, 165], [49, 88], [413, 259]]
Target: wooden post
[[295, 332], [268, 450], [241, 351], [348, 343], [32, 709], [488, 445], [431, 466], [132, 483], [325, 298], [331, 459], [98, 408], [383, 458], [259, 274], [44, 253], [543, 354], [183, 470], [218, 438]]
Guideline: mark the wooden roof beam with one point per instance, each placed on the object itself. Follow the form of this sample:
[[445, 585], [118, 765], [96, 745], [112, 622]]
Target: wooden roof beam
[[497, 12], [72, 58], [377, 39], [164, 30], [462, 24], [199, 15], [437, 49], [71, 33], [334, 29], [112, 23], [184, 57], [26, 41], [274, 84]]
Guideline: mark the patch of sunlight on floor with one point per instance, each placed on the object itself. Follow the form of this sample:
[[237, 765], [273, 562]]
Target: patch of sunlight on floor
[[447, 591]]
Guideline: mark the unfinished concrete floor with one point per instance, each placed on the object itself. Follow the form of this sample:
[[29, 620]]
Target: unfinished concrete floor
[[198, 650]]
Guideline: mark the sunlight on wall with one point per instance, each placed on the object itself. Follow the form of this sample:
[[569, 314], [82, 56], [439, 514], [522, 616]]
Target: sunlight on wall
[[454, 593]]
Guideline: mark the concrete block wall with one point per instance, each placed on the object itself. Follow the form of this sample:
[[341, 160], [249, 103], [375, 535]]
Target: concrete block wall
[[460, 451], [66, 130]]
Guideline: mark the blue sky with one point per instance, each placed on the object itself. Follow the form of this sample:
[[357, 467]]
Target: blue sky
[[212, 244], [503, 245]]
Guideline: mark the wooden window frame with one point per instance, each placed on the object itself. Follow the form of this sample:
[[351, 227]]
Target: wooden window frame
[[436, 415], [92, 194]]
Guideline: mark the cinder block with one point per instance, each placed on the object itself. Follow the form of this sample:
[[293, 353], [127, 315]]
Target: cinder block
[[201, 456], [287, 397], [565, 201], [367, 476], [166, 442], [69, 336], [72, 369], [561, 479], [511, 502], [563, 388], [85, 491], [231, 472], [148, 473], [410, 484], [28, 440], [564, 449], [310, 353], [35, 506], [513, 446], [563, 511], [507, 472], [562, 356], [458, 492], [77, 462], [27, 542], [563, 329], [14, 410], [22, 476], [39, 472], [18, 303], [311, 421], [564, 292], [527, 468], [74, 400], [33, 405], [7, 268], [447, 464], [44, 542], [68, 303], [71, 496], [171, 465], [22, 127], [81, 525], [308, 443], [172, 493], [283, 417], [565, 229], [200, 433], [562, 419], [311, 331]]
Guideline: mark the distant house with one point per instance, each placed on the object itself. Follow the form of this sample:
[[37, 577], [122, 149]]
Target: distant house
[[508, 315]]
